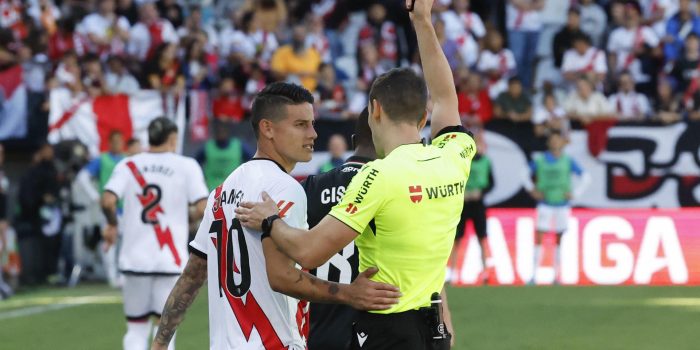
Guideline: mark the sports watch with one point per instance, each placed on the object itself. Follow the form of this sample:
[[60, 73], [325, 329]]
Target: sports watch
[[267, 225]]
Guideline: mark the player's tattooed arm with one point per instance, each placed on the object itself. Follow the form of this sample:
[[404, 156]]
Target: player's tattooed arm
[[109, 207], [180, 299], [362, 294]]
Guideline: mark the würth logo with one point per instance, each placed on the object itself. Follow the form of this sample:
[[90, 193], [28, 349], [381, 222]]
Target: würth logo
[[351, 209], [416, 193]]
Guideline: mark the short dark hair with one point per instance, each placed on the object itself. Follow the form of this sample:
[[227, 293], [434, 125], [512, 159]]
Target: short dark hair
[[363, 134], [271, 102], [402, 94], [159, 130], [114, 133]]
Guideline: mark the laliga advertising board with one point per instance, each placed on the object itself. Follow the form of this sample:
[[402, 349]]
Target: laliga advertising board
[[602, 247]]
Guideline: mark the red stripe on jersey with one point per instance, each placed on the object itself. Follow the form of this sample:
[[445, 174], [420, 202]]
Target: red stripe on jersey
[[163, 234], [248, 314], [303, 319], [284, 208]]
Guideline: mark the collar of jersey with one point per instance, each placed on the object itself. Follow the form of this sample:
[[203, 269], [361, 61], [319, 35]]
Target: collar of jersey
[[278, 164], [357, 160]]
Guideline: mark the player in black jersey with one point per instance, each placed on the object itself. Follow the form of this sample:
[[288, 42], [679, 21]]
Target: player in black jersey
[[331, 325]]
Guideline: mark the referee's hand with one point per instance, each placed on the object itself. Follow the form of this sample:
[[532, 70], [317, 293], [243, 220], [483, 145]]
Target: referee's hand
[[365, 294]]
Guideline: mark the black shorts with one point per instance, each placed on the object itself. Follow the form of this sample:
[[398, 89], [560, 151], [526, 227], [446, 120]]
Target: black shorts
[[476, 212], [402, 331]]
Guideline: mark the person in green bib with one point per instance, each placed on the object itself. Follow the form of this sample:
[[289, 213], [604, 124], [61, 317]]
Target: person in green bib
[[221, 155], [553, 190], [474, 209], [101, 168], [337, 146]]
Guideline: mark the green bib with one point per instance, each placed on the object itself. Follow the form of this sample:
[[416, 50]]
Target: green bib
[[107, 165], [479, 175], [554, 179], [221, 162]]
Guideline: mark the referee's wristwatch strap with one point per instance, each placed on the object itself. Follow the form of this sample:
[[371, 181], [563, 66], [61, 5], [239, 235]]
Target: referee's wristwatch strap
[[267, 226]]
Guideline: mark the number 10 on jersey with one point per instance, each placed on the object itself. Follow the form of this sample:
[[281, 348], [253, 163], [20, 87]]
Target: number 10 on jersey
[[226, 258]]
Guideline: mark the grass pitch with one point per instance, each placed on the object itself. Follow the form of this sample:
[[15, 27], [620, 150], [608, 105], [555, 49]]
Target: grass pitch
[[90, 317]]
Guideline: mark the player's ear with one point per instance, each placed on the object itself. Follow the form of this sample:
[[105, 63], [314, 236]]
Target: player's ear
[[266, 129], [353, 141], [376, 111]]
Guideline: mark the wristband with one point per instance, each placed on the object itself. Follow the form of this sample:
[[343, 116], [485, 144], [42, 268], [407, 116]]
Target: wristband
[[266, 226]]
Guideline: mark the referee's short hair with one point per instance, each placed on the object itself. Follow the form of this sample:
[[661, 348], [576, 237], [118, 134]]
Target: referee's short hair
[[402, 94], [271, 102], [159, 130]]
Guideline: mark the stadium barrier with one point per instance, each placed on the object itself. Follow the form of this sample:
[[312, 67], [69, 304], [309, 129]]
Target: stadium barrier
[[601, 247]]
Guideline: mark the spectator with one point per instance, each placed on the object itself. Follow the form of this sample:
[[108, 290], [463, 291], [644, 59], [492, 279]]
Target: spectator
[[523, 24], [271, 14], [563, 40], [381, 33], [657, 13], [496, 63], [194, 29], [106, 32], [632, 44], [687, 69], [553, 16], [118, 79], [318, 40], [475, 107], [195, 68], [584, 60], [549, 116], [249, 43], [667, 107], [678, 28], [93, 76], [228, 106], [150, 33], [66, 39], [128, 10], [171, 11], [296, 61], [39, 218], [337, 146], [45, 13], [629, 104], [585, 104], [163, 72], [593, 21], [460, 23], [514, 104], [449, 47], [222, 155], [332, 100]]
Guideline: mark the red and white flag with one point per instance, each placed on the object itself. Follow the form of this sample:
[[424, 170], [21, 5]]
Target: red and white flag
[[13, 104], [91, 120]]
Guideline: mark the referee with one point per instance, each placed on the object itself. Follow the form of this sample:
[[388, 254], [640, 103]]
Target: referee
[[402, 209]]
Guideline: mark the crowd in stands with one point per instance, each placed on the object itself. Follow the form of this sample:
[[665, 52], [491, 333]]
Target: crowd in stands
[[539, 61]]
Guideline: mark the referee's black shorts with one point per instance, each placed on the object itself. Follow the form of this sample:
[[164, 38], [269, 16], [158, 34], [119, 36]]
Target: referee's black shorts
[[476, 212], [401, 331]]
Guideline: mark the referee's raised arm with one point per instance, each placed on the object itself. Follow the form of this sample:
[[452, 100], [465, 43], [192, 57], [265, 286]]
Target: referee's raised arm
[[436, 70]]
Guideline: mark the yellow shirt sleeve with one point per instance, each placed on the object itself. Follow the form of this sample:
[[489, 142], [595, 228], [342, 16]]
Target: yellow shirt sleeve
[[363, 199], [457, 144]]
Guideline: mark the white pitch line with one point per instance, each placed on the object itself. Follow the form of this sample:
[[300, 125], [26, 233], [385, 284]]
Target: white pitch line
[[44, 305]]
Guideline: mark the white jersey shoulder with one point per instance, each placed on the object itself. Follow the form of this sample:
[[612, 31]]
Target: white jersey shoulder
[[244, 312]]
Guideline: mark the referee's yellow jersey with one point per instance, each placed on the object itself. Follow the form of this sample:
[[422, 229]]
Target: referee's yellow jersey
[[406, 207]]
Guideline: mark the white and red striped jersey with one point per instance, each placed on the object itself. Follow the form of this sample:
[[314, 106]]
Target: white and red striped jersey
[[522, 20], [156, 189], [244, 312]]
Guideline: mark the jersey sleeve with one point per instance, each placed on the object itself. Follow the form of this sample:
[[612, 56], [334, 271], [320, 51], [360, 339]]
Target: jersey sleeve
[[93, 167], [291, 202], [197, 187], [199, 244], [119, 179], [363, 198], [575, 168]]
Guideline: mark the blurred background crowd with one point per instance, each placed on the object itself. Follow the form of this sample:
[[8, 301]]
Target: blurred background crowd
[[534, 64]]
